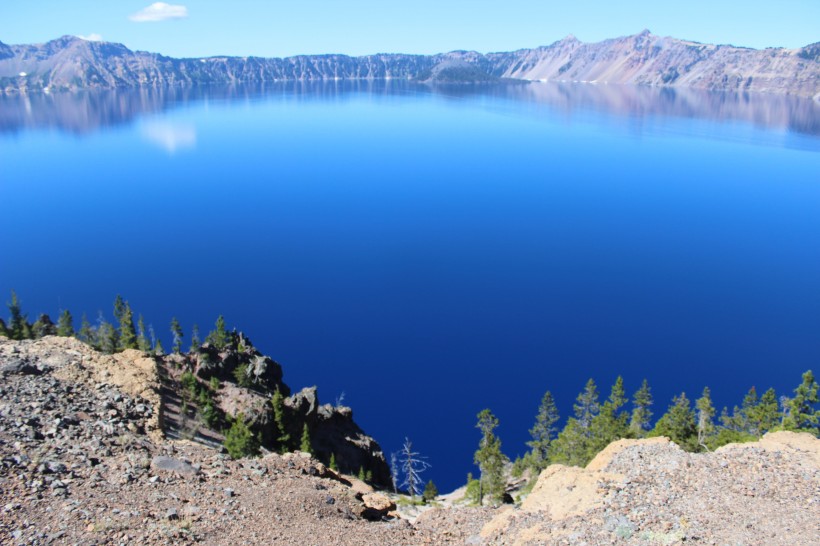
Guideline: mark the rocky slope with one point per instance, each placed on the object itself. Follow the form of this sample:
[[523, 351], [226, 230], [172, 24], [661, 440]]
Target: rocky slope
[[652, 492], [85, 458], [177, 406], [646, 59]]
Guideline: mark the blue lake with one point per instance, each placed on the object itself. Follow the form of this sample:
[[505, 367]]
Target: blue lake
[[430, 252]]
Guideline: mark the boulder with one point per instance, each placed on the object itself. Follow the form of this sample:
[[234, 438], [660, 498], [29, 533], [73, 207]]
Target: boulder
[[176, 466], [377, 506], [20, 367]]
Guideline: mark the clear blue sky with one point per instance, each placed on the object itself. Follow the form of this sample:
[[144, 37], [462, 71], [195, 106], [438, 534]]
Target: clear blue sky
[[276, 28]]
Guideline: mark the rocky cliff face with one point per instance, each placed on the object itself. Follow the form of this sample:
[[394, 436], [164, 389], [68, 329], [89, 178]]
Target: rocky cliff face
[[247, 380], [645, 59]]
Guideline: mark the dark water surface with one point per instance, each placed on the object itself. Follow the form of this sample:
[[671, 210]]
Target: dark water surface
[[431, 252]]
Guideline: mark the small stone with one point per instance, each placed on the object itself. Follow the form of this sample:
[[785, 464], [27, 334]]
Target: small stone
[[228, 492], [172, 514]]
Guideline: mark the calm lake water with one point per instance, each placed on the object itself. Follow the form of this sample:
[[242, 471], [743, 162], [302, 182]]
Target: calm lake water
[[430, 252]]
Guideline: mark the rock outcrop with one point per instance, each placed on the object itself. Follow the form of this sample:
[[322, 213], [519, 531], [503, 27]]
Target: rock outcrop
[[333, 432], [643, 59], [247, 382]]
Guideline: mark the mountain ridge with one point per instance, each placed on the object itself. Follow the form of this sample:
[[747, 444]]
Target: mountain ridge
[[70, 63]]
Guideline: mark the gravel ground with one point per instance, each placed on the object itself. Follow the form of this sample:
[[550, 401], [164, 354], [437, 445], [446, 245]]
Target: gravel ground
[[652, 492]]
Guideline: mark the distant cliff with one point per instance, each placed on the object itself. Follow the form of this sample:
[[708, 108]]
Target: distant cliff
[[70, 63]]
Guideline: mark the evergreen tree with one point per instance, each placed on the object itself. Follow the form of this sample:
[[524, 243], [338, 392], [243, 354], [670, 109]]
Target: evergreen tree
[[747, 408], [65, 325], [571, 447], [611, 423], [176, 332], [278, 403], [4, 332], [574, 444], [42, 327], [802, 413], [219, 336], [544, 431], [641, 414], [143, 344], [332, 464], [119, 308], [105, 338], [587, 405], [430, 491], [195, 342], [489, 458], [158, 350], [765, 415], [240, 440], [127, 334], [304, 445], [86, 333], [678, 424], [705, 416], [18, 327]]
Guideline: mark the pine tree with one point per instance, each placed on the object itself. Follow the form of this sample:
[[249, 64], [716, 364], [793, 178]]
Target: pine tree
[[219, 336], [705, 416], [105, 336], [611, 422], [18, 327], [195, 342], [489, 458], [143, 344], [278, 403], [119, 308], [304, 445], [587, 405], [4, 331], [544, 431], [678, 424], [158, 350], [332, 464], [641, 414], [571, 447], [764, 416], [802, 413], [430, 491], [240, 440], [176, 332], [85, 333], [128, 334], [65, 325], [42, 327]]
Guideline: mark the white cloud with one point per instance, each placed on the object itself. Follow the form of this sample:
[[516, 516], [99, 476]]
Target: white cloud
[[159, 11], [171, 137], [93, 37]]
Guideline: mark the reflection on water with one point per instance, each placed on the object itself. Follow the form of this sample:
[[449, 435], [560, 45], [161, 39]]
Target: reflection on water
[[171, 137], [86, 112]]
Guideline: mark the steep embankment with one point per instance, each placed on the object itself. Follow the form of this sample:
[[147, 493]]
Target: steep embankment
[[652, 492], [645, 59]]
